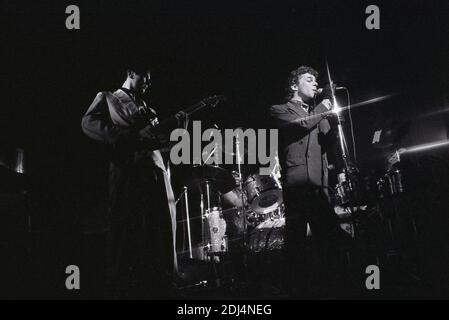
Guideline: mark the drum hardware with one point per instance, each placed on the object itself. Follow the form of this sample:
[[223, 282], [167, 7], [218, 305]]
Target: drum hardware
[[277, 214], [210, 181], [218, 179], [240, 178], [396, 185], [186, 202], [347, 190], [390, 184], [394, 181], [255, 218], [216, 230], [347, 187], [264, 193], [221, 227], [268, 236]]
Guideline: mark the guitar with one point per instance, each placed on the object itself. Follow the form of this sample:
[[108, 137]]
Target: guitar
[[171, 122], [211, 101]]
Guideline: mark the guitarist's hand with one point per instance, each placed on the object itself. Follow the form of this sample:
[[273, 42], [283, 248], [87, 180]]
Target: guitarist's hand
[[183, 118], [147, 139], [151, 139], [146, 132]]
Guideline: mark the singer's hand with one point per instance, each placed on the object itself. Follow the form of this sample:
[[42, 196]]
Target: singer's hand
[[326, 93], [327, 103]]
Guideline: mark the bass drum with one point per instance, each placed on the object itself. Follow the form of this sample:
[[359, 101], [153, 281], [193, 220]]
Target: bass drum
[[264, 193]]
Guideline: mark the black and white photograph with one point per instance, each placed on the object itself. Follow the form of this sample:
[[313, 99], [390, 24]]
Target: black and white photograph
[[251, 151]]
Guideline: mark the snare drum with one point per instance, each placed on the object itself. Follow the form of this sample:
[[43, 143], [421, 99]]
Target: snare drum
[[264, 193]]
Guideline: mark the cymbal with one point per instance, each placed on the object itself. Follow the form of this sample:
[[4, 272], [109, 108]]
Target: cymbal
[[221, 179]]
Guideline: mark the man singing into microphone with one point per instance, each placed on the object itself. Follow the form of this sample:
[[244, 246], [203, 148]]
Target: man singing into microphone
[[305, 135], [142, 212]]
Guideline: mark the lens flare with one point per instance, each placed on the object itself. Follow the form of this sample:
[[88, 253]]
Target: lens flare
[[336, 109], [424, 147]]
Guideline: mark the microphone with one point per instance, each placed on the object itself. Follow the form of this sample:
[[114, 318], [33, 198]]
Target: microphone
[[320, 90]]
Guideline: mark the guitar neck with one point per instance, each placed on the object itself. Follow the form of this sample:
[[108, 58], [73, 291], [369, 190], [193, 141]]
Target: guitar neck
[[172, 122], [196, 107]]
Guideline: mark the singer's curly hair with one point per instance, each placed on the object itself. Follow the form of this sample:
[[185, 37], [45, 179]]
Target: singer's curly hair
[[293, 79]]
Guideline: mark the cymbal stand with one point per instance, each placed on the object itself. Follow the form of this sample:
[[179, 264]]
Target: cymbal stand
[[239, 168], [243, 213], [189, 235], [203, 282]]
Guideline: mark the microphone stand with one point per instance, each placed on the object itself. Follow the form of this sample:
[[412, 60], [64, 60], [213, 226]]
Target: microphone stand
[[342, 142], [341, 136]]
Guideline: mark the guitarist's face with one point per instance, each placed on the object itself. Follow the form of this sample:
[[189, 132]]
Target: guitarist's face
[[140, 82]]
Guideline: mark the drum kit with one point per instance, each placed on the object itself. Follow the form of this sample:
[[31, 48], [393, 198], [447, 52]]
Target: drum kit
[[353, 189], [232, 207]]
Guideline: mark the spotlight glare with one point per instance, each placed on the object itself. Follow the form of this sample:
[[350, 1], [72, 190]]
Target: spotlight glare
[[336, 109], [426, 146]]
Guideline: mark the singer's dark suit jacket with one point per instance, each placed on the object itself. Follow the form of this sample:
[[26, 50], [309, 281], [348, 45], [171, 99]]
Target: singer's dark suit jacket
[[303, 138]]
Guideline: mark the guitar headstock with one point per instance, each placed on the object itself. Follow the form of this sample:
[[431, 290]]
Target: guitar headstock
[[213, 101]]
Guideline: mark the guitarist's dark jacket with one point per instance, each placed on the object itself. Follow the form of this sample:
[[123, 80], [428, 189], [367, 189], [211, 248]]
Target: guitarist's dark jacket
[[141, 200]]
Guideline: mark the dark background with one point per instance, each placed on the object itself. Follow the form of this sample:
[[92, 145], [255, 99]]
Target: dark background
[[244, 50]]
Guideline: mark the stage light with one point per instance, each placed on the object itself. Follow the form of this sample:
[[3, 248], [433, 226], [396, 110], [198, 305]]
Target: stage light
[[336, 109], [424, 147], [366, 102], [434, 113]]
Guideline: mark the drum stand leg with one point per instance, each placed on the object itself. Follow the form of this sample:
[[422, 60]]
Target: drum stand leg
[[189, 234], [245, 227], [212, 257], [239, 168]]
